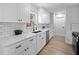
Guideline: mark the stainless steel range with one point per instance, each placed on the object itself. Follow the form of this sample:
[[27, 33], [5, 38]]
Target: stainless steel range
[[75, 37]]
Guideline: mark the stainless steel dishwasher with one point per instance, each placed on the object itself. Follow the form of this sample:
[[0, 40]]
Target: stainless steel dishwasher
[[47, 36]]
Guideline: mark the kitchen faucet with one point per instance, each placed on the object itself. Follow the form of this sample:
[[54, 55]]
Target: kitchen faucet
[[34, 26]]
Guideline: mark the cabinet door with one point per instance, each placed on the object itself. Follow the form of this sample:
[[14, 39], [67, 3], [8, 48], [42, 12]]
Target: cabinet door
[[22, 53], [32, 46], [23, 12], [43, 39], [32, 50], [15, 49], [39, 41], [10, 12], [1, 12]]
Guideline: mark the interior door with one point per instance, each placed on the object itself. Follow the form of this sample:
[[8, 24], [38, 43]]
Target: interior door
[[59, 24]]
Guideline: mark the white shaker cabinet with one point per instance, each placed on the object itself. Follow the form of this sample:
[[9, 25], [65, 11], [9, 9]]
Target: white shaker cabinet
[[73, 14], [23, 12], [16, 12], [41, 41], [9, 12], [1, 13], [24, 47]]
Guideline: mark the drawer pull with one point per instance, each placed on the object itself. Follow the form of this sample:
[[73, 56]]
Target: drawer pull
[[31, 40], [18, 46], [25, 49], [42, 38]]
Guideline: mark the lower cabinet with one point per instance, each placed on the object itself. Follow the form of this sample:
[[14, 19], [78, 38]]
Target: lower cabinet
[[28, 51], [23, 52], [41, 40], [51, 34], [30, 46], [26, 47]]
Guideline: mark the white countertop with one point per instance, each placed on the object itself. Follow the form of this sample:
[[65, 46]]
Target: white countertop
[[5, 41], [43, 30]]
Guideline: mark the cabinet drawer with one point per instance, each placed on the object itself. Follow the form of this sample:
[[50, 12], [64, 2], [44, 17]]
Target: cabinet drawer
[[14, 49], [25, 51], [21, 47], [32, 41]]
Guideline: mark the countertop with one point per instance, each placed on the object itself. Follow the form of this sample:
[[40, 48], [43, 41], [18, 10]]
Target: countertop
[[6, 41], [43, 30]]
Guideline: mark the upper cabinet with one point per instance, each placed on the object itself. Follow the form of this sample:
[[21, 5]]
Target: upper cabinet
[[1, 13], [23, 12], [8, 12], [43, 16], [72, 14], [17, 12]]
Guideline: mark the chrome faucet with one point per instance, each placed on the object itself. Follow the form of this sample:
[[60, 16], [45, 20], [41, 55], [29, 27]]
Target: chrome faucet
[[34, 28]]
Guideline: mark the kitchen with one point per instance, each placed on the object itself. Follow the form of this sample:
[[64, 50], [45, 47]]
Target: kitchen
[[38, 28]]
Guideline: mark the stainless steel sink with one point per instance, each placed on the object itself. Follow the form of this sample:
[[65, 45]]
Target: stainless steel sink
[[37, 31]]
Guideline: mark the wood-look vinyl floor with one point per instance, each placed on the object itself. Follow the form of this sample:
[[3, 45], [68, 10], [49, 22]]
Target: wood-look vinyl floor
[[57, 46]]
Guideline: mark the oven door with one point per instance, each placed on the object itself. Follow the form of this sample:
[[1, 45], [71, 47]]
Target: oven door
[[74, 44]]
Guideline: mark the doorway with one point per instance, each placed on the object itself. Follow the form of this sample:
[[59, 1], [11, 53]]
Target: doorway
[[59, 23]]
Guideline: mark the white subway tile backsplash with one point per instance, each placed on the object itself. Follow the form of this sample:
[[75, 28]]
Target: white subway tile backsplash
[[8, 28]]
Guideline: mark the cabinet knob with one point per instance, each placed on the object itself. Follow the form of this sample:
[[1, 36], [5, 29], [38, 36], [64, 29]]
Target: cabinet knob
[[26, 49]]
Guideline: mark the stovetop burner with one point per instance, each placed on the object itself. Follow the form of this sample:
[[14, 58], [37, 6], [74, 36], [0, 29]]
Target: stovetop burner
[[75, 34]]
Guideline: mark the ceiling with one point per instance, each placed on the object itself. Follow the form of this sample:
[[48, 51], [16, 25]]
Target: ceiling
[[51, 7]]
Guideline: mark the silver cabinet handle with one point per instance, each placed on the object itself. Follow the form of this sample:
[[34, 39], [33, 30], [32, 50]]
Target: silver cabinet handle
[[18, 46], [31, 40]]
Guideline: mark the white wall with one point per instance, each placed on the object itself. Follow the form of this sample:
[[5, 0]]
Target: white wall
[[43, 16], [72, 16], [52, 22], [51, 32], [75, 27]]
